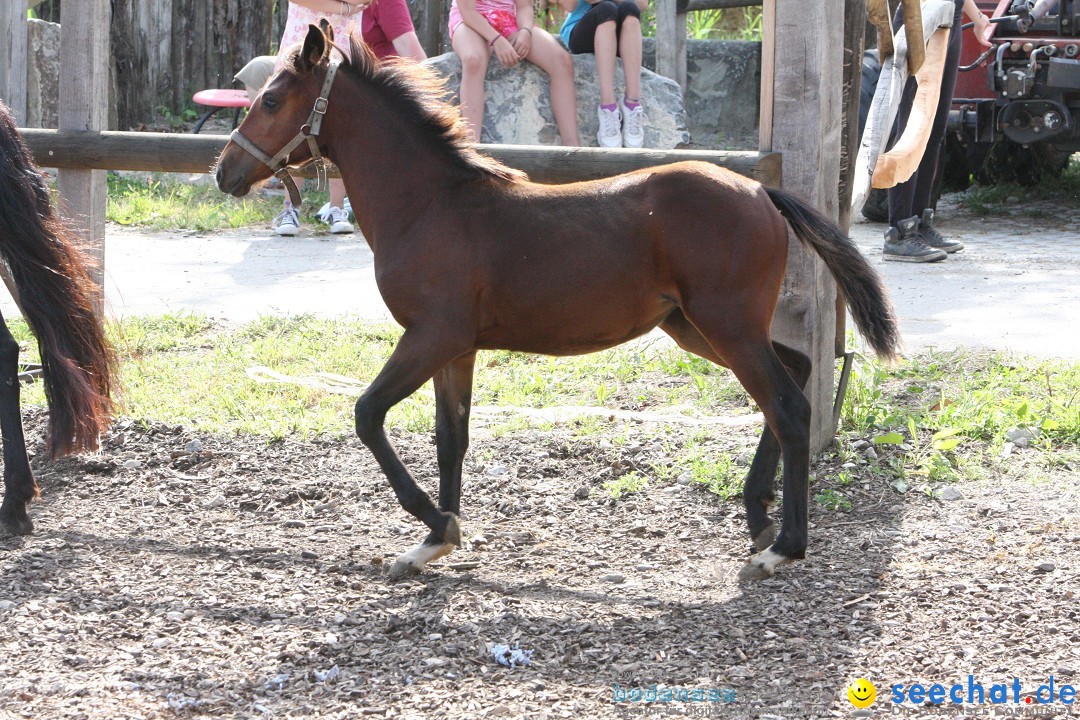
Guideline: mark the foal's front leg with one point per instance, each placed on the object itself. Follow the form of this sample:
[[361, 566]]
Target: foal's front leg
[[19, 485], [453, 402], [418, 355]]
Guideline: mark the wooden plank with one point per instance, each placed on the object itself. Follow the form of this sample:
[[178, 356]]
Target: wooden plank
[[84, 93], [768, 65], [695, 5], [430, 30], [168, 152], [806, 125], [854, 44], [680, 53], [667, 61], [13, 58]]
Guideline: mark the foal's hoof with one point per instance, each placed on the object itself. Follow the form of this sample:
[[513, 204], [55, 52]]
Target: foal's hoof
[[414, 561], [762, 565], [15, 524], [765, 538]]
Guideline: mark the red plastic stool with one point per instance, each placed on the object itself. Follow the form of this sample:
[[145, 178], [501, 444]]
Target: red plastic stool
[[217, 99]]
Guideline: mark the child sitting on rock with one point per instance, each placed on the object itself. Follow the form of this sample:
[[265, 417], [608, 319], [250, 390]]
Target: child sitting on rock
[[610, 29], [478, 27]]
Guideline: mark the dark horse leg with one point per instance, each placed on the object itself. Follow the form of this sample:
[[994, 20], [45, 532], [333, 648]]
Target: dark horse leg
[[758, 492], [19, 485], [417, 357], [453, 403], [758, 367]]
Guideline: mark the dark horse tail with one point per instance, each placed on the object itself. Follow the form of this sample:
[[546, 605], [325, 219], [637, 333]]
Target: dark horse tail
[[862, 288], [55, 294]]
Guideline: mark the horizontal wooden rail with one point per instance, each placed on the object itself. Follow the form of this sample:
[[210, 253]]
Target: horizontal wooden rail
[[168, 152], [695, 5]]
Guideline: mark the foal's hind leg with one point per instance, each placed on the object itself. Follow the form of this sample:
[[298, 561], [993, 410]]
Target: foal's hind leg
[[787, 413], [19, 484], [453, 401], [758, 493], [418, 355]]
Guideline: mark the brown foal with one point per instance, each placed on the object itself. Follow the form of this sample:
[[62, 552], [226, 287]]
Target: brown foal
[[469, 254]]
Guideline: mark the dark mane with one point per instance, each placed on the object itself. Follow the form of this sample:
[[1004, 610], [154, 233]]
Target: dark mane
[[419, 92]]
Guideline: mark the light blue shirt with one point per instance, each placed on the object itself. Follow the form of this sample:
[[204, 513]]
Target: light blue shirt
[[572, 20]]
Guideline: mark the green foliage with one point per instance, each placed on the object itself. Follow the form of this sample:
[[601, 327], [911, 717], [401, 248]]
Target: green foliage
[[995, 199], [163, 202], [726, 24], [833, 500], [961, 405], [712, 468], [631, 482]]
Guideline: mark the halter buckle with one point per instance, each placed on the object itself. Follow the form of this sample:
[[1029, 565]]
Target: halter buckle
[[320, 106]]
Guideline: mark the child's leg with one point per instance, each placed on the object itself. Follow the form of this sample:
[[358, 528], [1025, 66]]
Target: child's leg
[[630, 47], [606, 48], [337, 193], [595, 33], [474, 54], [550, 56]]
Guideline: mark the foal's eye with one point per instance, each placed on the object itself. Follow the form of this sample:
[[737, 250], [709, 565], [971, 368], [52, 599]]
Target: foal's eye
[[269, 103]]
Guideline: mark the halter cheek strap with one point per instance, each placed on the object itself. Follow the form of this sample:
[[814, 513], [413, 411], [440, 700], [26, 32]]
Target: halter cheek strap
[[309, 131]]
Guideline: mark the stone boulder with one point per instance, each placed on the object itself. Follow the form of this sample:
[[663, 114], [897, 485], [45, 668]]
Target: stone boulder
[[723, 79], [517, 110]]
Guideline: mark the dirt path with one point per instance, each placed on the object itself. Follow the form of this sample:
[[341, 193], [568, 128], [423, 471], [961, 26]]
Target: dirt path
[[181, 575]]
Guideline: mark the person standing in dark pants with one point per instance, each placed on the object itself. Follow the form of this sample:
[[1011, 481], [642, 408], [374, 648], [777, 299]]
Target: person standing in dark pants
[[911, 236]]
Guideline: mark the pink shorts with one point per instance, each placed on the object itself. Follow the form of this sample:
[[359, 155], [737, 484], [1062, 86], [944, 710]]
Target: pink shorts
[[504, 21]]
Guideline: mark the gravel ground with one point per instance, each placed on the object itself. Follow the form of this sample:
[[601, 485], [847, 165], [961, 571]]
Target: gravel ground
[[182, 575]]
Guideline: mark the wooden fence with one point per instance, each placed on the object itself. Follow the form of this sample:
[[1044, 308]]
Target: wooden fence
[[169, 152]]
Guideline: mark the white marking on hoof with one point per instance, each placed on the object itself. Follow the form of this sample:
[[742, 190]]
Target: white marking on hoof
[[413, 562], [765, 538], [762, 565]]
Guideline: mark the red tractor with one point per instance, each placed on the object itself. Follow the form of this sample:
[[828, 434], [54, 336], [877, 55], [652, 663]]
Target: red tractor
[[1016, 109]]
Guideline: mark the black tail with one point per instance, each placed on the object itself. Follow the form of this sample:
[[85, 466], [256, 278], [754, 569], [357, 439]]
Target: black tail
[[863, 290], [55, 293]]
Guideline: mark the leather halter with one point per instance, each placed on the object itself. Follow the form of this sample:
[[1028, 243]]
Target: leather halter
[[309, 131]]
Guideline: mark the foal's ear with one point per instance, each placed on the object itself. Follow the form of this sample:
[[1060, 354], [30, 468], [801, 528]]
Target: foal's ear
[[315, 47], [327, 28]]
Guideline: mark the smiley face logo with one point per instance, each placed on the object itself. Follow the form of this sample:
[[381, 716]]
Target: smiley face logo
[[862, 693]]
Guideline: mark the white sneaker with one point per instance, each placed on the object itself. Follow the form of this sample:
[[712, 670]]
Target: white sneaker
[[633, 134], [287, 223], [339, 221], [610, 133]]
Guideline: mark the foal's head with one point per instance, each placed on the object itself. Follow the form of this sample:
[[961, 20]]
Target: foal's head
[[279, 112]]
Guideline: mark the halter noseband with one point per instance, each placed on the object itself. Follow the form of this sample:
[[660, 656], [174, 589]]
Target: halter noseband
[[279, 163]]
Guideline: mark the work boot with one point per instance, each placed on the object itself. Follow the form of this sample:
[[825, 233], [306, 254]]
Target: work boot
[[935, 239], [903, 243]]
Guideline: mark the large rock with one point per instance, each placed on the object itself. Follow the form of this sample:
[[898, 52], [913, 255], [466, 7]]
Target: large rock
[[723, 79], [42, 74], [517, 109]]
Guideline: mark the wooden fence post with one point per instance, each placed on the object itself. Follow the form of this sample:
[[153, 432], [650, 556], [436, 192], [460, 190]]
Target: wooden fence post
[[84, 86], [671, 42], [13, 58], [806, 60]]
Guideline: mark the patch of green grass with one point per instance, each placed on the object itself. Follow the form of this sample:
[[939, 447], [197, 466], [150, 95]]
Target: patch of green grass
[[936, 418], [710, 467], [164, 202], [945, 417], [994, 199], [631, 482], [833, 500]]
